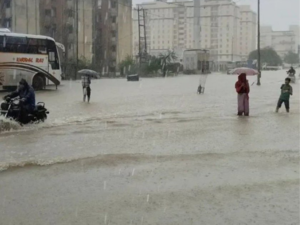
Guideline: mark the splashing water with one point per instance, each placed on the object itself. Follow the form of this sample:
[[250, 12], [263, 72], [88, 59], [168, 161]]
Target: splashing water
[[8, 125]]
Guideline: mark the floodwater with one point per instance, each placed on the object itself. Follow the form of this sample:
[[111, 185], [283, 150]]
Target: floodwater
[[154, 152]]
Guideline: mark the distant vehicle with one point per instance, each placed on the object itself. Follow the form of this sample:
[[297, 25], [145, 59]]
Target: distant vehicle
[[230, 71], [32, 57], [196, 61], [275, 68], [133, 77]]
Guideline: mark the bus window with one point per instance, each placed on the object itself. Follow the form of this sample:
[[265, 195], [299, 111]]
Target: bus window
[[42, 46], [32, 46], [1, 43], [53, 55], [15, 44]]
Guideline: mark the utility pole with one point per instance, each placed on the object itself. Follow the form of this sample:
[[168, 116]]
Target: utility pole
[[232, 49], [258, 43], [27, 18], [77, 34], [95, 31], [142, 36], [197, 23], [36, 12]]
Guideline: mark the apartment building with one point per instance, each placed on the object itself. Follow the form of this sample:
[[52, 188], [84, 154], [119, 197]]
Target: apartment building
[[115, 28], [160, 30], [248, 31], [217, 25], [20, 16], [97, 31], [281, 41], [52, 18]]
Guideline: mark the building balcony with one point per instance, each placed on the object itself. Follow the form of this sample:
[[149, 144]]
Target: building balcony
[[70, 21], [70, 4], [8, 13], [113, 40], [113, 12], [47, 21], [113, 56], [114, 26], [112, 63], [71, 37]]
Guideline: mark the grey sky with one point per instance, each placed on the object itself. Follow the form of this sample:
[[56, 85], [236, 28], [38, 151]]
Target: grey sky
[[278, 13]]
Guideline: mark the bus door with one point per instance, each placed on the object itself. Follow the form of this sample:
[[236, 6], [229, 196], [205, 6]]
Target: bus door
[[53, 59]]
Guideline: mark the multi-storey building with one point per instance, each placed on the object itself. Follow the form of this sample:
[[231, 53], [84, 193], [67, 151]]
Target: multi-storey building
[[95, 31], [220, 26], [281, 41], [115, 28], [20, 16], [248, 31]]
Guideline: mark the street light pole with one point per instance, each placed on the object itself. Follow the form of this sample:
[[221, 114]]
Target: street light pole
[[258, 43]]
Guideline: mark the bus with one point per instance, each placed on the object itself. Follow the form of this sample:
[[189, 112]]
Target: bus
[[32, 57]]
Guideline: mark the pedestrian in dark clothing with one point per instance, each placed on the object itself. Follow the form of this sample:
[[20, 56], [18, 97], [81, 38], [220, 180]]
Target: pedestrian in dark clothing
[[286, 92], [86, 82], [291, 71]]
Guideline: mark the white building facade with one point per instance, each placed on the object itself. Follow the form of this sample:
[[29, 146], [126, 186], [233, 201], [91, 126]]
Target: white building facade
[[227, 30], [281, 41]]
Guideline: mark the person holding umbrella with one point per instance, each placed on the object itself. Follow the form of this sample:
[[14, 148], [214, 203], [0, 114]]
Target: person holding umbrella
[[86, 82], [86, 75], [242, 88]]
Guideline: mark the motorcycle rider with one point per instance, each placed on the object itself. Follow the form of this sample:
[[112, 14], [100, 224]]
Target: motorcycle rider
[[291, 71], [27, 99]]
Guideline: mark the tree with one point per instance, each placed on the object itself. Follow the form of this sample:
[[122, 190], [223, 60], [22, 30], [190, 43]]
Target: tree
[[291, 58], [128, 65], [166, 60], [70, 67], [153, 65], [267, 55]]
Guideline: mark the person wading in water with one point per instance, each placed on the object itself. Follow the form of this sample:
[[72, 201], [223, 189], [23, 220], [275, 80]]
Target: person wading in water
[[86, 82], [243, 89]]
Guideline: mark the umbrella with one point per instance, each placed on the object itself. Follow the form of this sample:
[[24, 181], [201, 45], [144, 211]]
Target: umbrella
[[247, 71], [89, 73]]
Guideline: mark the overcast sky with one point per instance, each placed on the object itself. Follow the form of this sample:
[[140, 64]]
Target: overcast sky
[[278, 13]]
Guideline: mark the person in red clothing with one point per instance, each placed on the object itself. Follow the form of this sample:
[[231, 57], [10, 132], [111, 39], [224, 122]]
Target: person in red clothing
[[243, 89]]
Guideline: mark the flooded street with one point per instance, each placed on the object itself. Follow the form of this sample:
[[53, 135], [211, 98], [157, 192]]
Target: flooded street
[[154, 152]]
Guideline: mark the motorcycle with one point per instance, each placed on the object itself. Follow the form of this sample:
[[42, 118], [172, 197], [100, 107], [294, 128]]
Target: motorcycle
[[292, 77], [10, 109]]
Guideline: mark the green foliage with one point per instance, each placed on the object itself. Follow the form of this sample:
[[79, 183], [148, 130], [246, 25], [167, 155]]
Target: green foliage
[[70, 70], [291, 58], [153, 66], [163, 62], [268, 55], [128, 66]]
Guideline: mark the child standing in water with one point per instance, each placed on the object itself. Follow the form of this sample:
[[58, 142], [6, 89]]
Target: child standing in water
[[243, 89], [286, 92]]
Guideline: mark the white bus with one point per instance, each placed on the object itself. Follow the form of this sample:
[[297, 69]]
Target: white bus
[[32, 57]]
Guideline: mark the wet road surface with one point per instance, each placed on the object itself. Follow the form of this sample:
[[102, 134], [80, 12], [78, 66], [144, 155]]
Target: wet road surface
[[155, 152]]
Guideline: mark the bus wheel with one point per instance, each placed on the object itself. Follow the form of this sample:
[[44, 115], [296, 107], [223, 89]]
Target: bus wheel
[[38, 82]]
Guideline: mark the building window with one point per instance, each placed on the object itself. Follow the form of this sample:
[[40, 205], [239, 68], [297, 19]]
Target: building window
[[8, 4], [8, 23]]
